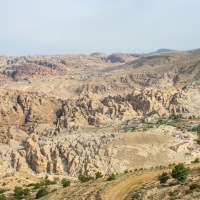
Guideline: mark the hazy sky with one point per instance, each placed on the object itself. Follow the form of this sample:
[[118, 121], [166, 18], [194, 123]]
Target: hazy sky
[[29, 27]]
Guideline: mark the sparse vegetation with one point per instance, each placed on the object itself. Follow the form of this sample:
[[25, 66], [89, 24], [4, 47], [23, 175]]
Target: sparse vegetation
[[65, 182], [83, 178], [41, 193], [2, 190], [171, 193], [135, 196], [197, 160], [20, 192], [49, 182], [98, 175], [26, 192], [111, 177], [194, 186], [44, 182], [196, 129], [31, 184], [54, 190], [188, 191], [2, 197]]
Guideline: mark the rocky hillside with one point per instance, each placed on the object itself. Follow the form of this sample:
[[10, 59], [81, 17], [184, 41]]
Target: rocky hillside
[[24, 110], [39, 67], [62, 115]]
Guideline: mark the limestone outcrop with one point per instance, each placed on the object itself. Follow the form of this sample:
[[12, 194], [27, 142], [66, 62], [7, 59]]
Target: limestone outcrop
[[71, 154], [60, 114]]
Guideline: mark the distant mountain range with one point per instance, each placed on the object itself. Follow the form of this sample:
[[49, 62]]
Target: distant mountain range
[[164, 50]]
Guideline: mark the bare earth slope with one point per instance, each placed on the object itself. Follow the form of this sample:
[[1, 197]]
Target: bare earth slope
[[133, 185]]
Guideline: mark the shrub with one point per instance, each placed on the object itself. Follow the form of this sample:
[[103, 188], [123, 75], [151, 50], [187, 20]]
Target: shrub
[[83, 178], [111, 177], [49, 182], [41, 193], [2, 197], [135, 196], [54, 190], [20, 192], [98, 175], [65, 182], [37, 186], [198, 141], [26, 192], [197, 160], [194, 186], [2, 190], [126, 171], [188, 191], [196, 129], [163, 178], [170, 193], [42, 183], [31, 184]]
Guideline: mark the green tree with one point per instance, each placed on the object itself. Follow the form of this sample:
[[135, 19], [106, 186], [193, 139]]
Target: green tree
[[18, 191], [98, 175], [163, 178], [26, 192], [2, 197], [41, 193], [180, 172]]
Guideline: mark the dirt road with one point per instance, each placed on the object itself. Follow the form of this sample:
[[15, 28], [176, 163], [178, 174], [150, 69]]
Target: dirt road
[[121, 189]]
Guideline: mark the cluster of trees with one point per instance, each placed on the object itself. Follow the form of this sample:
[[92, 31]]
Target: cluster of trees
[[98, 175], [20, 192], [180, 173], [83, 178], [44, 182]]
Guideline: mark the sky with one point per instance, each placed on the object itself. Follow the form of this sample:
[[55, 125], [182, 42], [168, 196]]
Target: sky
[[51, 27]]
